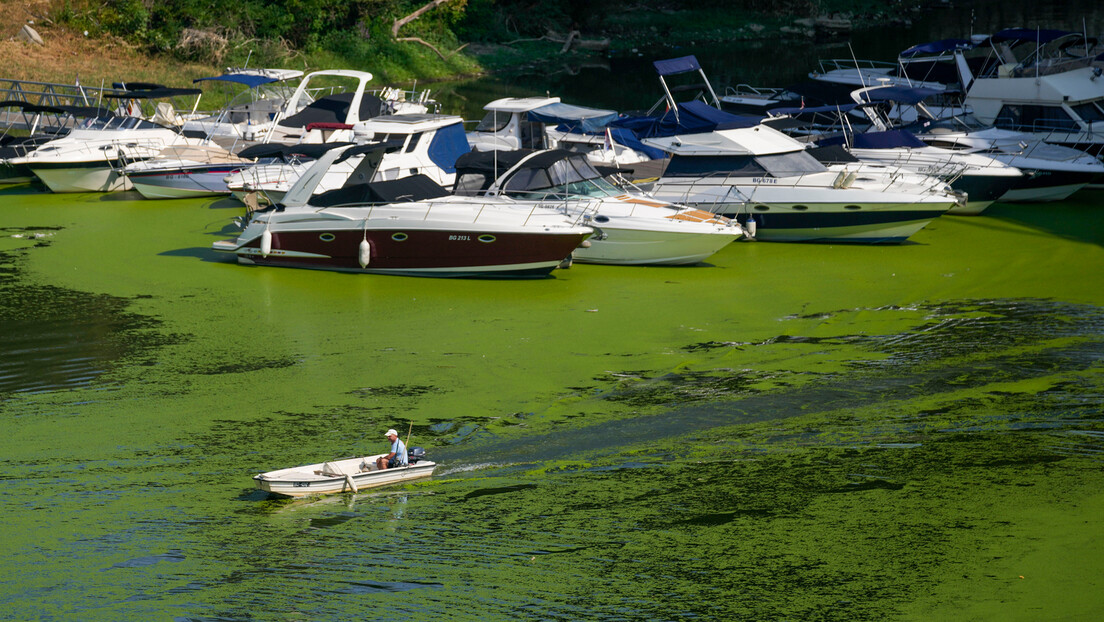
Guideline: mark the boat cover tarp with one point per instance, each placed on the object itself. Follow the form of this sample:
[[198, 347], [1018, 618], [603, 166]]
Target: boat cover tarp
[[831, 154], [937, 47], [490, 164], [889, 139], [899, 94], [288, 152], [448, 144], [88, 112], [694, 117], [250, 80], [413, 188], [626, 137], [153, 93], [579, 119], [137, 86], [334, 109], [676, 65], [29, 107]]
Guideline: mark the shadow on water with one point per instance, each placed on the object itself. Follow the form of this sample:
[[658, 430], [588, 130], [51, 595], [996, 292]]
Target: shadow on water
[[21, 189], [226, 203], [1074, 219], [207, 255], [55, 338]]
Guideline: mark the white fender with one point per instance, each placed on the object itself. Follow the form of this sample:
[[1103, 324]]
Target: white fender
[[750, 227], [365, 253], [266, 243]]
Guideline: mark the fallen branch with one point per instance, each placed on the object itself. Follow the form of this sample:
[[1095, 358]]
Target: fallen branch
[[544, 38], [570, 37], [399, 23]]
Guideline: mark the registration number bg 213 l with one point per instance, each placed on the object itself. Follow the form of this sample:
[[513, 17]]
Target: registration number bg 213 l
[[461, 238]]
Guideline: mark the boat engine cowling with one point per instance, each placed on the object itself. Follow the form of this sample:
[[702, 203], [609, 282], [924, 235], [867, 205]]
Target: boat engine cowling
[[415, 454]]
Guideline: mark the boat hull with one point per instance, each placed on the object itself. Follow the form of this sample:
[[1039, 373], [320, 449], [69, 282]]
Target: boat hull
[[182, 183], [627, 247], [439, 253], [81, 177], [305, 484], [851, 223]]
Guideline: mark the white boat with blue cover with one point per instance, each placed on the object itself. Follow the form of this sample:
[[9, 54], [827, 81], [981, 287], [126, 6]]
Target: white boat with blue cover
[[1051, 172]]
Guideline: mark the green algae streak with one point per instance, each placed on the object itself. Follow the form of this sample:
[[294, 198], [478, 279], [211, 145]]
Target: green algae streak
[[790, 432]]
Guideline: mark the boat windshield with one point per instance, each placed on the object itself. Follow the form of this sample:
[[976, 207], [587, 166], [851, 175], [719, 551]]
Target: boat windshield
[[966, 122], [117, 123], [789, 164], [495, 121], [570, 176]]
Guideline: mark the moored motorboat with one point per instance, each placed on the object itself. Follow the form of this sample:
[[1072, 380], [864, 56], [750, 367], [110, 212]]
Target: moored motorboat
[[408, 226], [90, 158], [631, 228], [185, 171], [769, 182], [341, 476]]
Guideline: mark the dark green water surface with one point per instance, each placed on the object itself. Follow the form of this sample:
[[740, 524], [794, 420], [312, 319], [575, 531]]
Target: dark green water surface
[[790, 432]]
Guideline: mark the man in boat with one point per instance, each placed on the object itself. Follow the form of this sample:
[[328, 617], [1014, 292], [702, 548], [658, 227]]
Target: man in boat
[[397, 457]]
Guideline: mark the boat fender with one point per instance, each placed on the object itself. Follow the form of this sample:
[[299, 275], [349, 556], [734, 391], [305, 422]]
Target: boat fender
[[266, 242], [349, 481], [365, 253], [850, 179], [750, 228], [838, 182]]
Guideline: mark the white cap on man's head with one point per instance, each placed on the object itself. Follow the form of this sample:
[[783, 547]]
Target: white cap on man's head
[[391, 432]]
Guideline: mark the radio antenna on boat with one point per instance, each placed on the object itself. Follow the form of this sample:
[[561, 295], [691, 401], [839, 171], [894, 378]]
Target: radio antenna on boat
[[856, 61]]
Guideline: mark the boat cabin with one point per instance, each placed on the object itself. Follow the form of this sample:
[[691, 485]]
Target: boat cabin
[[530, 174], [760, 152]]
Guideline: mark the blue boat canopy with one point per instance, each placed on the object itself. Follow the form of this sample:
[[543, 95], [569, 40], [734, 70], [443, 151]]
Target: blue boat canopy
[[899, 94], [250, 80], [1029, 35], [693, 117], [677, 65], [937, 47], [886, 140], [579, 119]]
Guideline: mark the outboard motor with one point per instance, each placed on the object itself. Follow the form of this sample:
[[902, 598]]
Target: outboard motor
[[415, 454]]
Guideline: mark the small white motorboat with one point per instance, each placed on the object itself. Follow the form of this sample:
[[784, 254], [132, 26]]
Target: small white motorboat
[[344, 475]]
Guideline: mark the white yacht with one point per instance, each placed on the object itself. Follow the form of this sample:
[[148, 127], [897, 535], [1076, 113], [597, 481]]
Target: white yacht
[[91, 156], [407, 226], [547, 123], [631, 228], [1044, 82], [250, 113], [420, 144], [780, 192], [1051, 172]]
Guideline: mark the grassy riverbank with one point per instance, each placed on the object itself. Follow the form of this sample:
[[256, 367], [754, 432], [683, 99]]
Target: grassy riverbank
[[67, 55]]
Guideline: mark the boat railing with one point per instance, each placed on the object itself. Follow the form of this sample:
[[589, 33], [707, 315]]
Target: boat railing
[[46, 94], [747, 90], [830, 65]]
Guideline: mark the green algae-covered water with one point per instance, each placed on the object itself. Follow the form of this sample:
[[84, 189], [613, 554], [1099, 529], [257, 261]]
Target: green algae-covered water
[[790, 432]]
